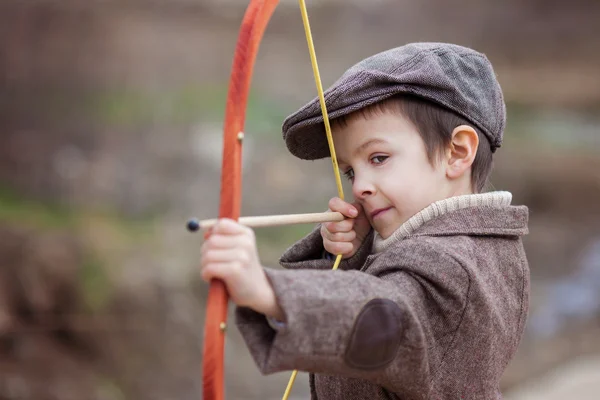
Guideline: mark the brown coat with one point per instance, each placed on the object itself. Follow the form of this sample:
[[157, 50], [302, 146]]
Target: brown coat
[[439, 315]]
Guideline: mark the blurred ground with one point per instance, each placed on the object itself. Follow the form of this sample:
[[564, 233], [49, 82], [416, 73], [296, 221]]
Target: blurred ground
[[578, 379], [110, 128]]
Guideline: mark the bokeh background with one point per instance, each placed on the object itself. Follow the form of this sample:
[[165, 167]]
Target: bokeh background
[[110, 139]]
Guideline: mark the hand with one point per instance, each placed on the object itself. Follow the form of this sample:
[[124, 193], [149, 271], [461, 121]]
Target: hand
[[345, 237], [230, 254]]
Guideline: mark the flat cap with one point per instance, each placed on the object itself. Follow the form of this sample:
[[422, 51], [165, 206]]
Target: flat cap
[[455, 77]]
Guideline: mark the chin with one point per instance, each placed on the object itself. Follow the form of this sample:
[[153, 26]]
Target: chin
[[385, 233], [388, 231]]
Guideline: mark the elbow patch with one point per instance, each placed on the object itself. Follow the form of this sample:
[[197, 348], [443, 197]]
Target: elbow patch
[[376, 335]]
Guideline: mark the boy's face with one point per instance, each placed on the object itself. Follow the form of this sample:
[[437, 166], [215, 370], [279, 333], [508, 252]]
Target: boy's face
[[385, 159]]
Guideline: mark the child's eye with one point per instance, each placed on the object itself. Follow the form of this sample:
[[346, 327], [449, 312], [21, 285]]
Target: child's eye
[[349, 174], [378, 159]]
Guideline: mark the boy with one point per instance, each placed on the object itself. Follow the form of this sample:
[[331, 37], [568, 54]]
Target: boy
[[431, 298]]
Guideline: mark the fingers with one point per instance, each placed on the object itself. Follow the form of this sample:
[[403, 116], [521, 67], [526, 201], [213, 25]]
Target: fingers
[[227, 251], [353, 211], [228, 226], [358, 207], [228, 233], [342, 248], [346, 209], [343, 226], [345, 236], [222, 263], [222, 241], [224, 271], [361, 221], [228, 255]]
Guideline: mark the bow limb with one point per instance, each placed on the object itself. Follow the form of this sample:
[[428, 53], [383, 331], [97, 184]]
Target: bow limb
[[253, 26]]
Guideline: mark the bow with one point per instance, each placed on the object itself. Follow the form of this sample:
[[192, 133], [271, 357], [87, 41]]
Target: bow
[[253, 26]]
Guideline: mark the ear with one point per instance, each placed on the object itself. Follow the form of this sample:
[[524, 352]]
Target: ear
[[461, 151]]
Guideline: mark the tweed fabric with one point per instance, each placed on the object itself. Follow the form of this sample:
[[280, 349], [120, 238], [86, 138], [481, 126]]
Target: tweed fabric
[[438, 208], [460, 282], [455, 77]]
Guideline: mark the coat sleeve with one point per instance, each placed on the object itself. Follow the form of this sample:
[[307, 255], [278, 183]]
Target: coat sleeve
[[383, 326], [309, 253]]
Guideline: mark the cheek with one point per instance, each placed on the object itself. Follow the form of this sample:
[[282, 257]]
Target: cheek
[[412, 184], [426, 173]]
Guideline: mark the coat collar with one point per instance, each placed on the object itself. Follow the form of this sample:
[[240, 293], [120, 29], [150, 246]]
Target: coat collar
[[474, 214]]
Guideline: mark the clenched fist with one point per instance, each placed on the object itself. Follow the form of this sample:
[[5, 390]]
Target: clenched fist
[[230, 254], [345, 237]]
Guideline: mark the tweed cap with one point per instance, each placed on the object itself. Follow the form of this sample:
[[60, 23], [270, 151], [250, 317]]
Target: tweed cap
[[455, 77]]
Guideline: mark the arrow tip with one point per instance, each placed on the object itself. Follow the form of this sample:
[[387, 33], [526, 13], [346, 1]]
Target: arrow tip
[[193, 225]]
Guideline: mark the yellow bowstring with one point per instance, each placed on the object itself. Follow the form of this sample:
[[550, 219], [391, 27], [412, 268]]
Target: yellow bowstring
[[336, 170]]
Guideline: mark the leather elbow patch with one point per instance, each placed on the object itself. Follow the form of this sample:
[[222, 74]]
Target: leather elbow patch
[[376, 335]]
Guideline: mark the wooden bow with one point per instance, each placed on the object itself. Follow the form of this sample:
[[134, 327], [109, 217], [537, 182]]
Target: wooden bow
[[253, 26]]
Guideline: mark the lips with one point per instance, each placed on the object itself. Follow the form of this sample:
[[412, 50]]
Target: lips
[[378, 212]]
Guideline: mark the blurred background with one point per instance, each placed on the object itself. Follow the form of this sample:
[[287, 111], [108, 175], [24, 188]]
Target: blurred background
[[111, 127]]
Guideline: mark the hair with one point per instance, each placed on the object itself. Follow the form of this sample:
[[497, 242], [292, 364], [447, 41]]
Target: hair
[[435, 125]]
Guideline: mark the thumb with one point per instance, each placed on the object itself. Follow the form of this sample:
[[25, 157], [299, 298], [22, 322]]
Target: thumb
[[359, 208], [361, 219], [361, 226]]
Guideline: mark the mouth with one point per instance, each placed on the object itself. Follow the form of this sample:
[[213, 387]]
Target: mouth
[[378, 212]]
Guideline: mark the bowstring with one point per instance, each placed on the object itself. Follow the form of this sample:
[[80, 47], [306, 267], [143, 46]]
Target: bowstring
[[334, 162]]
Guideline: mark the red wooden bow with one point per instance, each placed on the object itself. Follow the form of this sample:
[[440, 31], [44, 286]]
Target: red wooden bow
[[253, 26]]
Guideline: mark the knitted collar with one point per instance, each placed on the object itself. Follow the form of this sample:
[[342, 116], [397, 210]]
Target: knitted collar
[[434, 210]]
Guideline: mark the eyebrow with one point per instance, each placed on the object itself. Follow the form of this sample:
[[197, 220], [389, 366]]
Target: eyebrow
[[366, 145]]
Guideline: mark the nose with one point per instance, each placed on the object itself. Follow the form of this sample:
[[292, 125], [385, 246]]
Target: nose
[[362, 187]]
